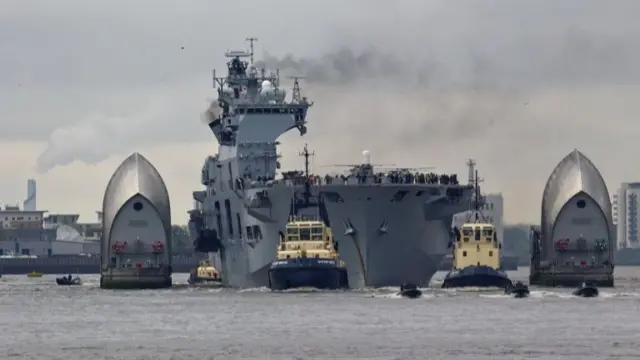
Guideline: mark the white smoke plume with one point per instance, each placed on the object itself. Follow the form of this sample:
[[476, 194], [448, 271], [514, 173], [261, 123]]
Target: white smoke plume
[[95, 139]]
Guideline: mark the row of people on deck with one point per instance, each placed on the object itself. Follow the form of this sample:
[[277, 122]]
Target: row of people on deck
[[393, 177]]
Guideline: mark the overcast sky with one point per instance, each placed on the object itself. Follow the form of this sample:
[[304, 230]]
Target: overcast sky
[[514, 84]]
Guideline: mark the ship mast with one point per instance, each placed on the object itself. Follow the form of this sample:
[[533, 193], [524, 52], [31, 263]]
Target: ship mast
[[475, 180], [295, 95], [306, 155], [251, 40], [307, 180]]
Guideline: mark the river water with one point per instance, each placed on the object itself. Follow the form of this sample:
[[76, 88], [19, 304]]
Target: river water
[[40, 320]]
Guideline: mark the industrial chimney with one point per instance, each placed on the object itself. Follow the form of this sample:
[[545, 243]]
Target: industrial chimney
[[29, 203]]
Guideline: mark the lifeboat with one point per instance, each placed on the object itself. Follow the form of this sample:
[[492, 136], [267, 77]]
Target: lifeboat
[[518, 290], [586, 290]]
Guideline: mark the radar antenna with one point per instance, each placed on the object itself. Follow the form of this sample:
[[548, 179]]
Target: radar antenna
[[295, 96], [251, 40]]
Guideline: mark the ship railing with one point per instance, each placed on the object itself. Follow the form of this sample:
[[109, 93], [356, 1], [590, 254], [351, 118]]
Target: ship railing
[[349, 180]]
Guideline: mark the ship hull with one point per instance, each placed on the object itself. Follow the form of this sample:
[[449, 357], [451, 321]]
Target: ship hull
[[136, 278], [387, 241], [476, 276], [301, 273], [408, 249]]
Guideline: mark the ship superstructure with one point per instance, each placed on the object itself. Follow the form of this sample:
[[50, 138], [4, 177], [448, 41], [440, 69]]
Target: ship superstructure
[[392, 226], [236, 219]]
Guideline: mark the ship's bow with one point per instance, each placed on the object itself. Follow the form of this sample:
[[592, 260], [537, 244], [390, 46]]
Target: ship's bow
[[383, 234]]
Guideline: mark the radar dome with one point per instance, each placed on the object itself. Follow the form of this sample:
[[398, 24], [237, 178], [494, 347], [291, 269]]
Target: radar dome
[[266, 84], [366, 157], [268, 93]]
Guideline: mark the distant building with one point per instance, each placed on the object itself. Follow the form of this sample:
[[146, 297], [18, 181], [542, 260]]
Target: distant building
[[22, 232], [32, 233], [626, 215], [72, 237]]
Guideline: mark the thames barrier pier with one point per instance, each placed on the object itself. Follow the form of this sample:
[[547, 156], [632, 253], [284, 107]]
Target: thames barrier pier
[[136, 238], [575, 242]]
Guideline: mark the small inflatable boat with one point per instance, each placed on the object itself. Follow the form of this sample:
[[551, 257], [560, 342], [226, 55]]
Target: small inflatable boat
[[68, 281], [586, 291], [410, 291], [518, 290]]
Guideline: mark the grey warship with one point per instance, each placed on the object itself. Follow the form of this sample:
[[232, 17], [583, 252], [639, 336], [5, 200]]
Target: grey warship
[[390, 227]]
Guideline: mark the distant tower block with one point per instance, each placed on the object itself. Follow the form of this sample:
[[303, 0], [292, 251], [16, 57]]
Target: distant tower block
[[29, 204], [576, 241], [366, 157], [471, 164], [136, 228]]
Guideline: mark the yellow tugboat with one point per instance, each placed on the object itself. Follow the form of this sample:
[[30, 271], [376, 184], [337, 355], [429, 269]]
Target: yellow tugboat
[[307, 257], [34, 274], [205, 273], [476, 254]]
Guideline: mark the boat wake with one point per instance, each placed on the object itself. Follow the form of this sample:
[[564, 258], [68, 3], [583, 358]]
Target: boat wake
[[255, 290]]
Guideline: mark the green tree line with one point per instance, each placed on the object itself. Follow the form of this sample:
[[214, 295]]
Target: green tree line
[[180, 239]]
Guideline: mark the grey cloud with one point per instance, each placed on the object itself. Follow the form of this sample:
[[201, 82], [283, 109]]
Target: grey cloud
[[426, 72]]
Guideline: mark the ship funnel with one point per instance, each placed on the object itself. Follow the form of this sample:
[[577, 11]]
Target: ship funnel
[[366, 157]]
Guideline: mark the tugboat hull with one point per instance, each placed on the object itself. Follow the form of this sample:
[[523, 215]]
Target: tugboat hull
[[315, 273], [477, 276], [210, 282]]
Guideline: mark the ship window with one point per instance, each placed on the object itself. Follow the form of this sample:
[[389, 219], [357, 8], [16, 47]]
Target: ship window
[[467, 232], [487, 232], [292, 231], [316, 233], [464, 253], [249, 233], [227, 207], [477, 233], [239, 224], [218, 218], [305, 234], [581, 204], [257, 233], [137, 206], [490, 253]]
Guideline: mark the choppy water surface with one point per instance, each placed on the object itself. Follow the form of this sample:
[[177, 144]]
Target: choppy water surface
[[40, 320]]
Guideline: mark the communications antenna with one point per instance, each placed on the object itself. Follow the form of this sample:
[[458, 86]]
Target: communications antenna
[[295, 96], [476, 180], [251, 40]]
